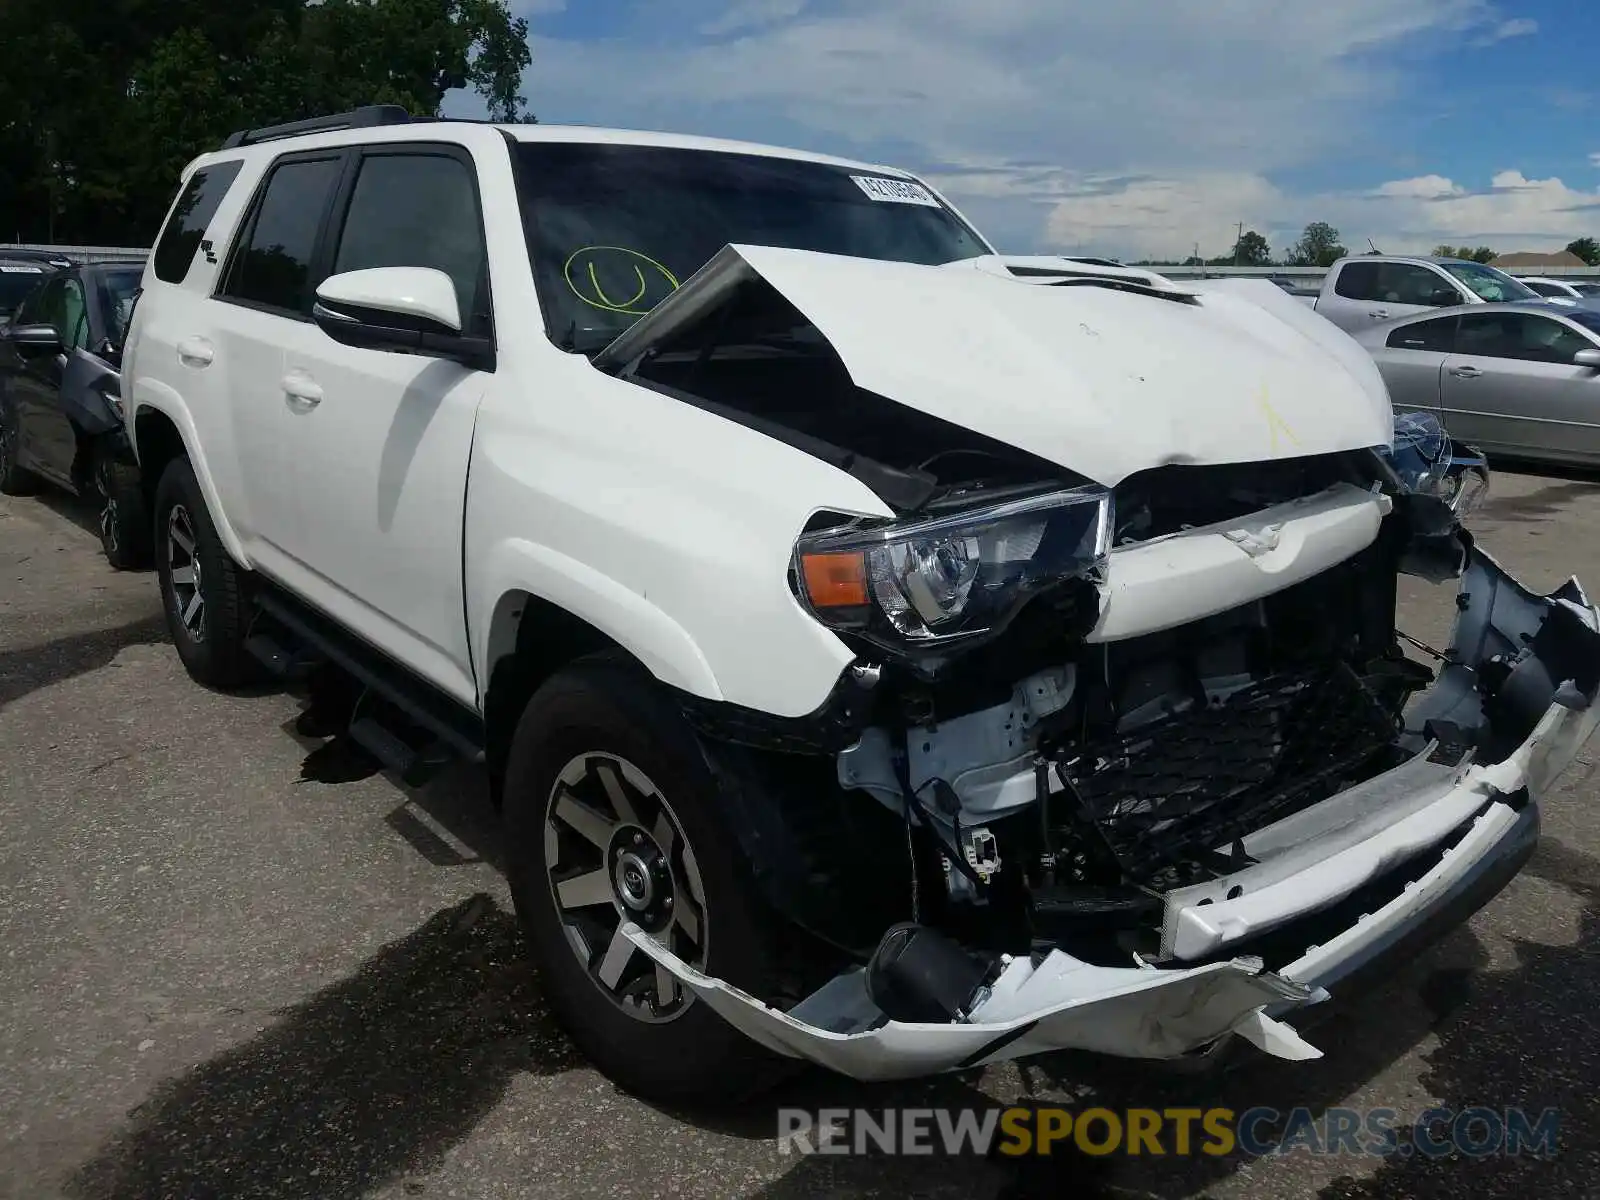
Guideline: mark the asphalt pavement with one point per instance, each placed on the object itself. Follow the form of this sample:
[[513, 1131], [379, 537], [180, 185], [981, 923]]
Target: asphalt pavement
[[239, 962]]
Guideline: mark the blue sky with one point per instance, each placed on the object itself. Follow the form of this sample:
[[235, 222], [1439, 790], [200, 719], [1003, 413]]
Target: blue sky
[[1135, 127]]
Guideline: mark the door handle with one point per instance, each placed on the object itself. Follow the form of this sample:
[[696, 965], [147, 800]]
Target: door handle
[[195, 352], [302, 391], [1379, 314], [1465, 372]]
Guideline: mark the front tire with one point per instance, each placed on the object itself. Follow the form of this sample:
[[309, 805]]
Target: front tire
[[202, 588], [611, 812], [14, 481], [126, 531]]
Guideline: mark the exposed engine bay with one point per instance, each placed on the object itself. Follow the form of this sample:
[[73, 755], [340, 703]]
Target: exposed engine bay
[[1149, 737], [1138, 766]]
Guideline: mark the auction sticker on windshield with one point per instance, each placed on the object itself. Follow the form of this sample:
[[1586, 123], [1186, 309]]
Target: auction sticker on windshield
[[895, 191]]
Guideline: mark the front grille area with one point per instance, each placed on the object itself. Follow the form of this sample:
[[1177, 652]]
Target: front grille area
[[1155, 803], [1163, 500]]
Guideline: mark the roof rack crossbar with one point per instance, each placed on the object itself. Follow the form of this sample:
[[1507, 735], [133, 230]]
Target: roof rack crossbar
[[357, 118]]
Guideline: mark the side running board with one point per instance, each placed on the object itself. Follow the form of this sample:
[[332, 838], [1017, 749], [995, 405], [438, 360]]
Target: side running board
[[291, 640]]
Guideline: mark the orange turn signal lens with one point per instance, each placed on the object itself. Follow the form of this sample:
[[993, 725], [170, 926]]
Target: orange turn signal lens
[[835, 580]]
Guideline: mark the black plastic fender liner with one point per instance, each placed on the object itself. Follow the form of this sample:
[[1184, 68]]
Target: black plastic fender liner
[[834, 864]]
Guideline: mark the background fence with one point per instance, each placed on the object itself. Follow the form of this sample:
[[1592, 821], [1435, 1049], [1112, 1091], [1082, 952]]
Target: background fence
[[88, 254], [1310, 275]]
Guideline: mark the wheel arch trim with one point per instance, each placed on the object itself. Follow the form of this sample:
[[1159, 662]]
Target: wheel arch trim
[[517, 567], [150, 397]]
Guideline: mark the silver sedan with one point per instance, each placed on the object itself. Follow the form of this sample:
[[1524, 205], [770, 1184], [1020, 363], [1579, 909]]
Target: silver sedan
[[1520, 379]]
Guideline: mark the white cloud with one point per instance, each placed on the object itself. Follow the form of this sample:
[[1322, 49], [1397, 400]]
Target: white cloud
[[1136, 127], [751, 14], [1514, 28], [1594, 159], [1133, 86], [1163, 217], [1423, 187]]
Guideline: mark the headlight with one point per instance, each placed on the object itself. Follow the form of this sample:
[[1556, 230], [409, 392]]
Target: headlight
[[1428, 463], [943, 579], [1466, 484], [1419, 452]]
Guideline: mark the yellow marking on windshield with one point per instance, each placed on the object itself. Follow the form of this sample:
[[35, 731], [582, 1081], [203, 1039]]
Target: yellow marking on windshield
[[583, 271], [601, 292]]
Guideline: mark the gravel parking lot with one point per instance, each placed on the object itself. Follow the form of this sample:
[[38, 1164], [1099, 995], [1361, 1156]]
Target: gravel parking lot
[[237, 962]]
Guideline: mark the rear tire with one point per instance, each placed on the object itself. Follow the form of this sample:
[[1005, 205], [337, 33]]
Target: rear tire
[[14, 481], [202, 588], [601, 734], [126, 529]]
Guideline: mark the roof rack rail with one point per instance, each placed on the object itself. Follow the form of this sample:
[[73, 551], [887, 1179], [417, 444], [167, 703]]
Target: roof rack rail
[[357, 118]]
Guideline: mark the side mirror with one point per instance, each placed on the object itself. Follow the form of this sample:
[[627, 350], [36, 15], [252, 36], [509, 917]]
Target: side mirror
[[38, 339], [1587, 358], [410, 310]]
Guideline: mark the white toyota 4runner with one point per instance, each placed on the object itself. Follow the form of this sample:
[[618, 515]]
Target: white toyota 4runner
[[885, 653]]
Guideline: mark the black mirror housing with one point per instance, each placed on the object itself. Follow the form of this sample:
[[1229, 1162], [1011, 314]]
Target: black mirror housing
[[372, 329], [37, 338]]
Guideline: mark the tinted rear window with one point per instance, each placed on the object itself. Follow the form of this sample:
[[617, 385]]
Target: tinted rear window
[[198, 203], [1358, 281], [273, 266], [1436, 335]]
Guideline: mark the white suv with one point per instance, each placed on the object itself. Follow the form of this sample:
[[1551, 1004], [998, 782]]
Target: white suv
[[885, 653]]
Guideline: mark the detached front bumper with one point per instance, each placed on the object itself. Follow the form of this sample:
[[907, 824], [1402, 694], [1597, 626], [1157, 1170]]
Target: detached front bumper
[[1426, 844]]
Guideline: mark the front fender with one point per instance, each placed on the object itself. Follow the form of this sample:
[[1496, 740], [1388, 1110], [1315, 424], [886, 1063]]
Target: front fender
[[627, 618]]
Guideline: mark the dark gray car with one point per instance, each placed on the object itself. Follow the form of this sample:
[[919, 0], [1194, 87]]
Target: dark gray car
[[60, 399], [1521, 379]]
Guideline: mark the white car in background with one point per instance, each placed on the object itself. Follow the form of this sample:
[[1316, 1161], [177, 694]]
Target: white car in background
[[885, 653], [1562, 289]]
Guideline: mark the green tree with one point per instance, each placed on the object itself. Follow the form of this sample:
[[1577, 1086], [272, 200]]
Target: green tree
[[1482, 254], [1251, 250], [1587, 249], [102, 102], [1319, 246]]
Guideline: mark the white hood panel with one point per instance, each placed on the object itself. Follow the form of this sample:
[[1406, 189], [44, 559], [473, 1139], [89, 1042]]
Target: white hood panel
[[1101, 381]]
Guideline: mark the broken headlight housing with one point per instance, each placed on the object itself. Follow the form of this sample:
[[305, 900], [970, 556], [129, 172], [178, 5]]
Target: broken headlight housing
[[1428, 463], [937, 580]]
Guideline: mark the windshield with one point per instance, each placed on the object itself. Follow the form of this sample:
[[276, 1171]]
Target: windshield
[[121, 286], [1587, 290], [1490, 284], [613, 229], [15, 283], [1586, 317]]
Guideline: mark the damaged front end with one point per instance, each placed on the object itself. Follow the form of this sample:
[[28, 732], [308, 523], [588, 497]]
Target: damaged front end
[[1221, 788], [1129, 759]]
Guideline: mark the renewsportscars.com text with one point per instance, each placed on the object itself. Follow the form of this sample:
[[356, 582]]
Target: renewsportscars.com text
[[1214, 1132]]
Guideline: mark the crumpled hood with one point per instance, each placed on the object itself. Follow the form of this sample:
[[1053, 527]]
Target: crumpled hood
[[1104, 382]]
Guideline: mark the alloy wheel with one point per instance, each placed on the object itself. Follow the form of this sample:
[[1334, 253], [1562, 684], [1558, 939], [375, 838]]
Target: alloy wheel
[[8, 439], [109, 523], [183, 565], [615, 852]]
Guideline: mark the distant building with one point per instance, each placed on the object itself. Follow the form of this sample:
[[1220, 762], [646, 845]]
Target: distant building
[[1521, 260]]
